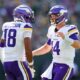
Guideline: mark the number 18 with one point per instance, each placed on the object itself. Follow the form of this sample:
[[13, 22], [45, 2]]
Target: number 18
[[10, 37]]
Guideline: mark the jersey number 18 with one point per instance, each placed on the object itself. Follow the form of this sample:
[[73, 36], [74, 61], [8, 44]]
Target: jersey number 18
[[10, 37]]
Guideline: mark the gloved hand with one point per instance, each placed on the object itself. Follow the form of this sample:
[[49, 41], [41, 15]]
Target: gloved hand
[[32, 69]]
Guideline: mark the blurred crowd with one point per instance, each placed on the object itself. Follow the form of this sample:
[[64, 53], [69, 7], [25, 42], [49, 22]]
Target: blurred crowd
[[41, 8]]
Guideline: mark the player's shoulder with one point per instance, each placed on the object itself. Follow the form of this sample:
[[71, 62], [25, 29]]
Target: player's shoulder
[[72, 29], [5, 24], [26, 25], [51, 28], [69, 27], [50, 31]]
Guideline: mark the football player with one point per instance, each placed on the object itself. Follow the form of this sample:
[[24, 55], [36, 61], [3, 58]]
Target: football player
[[62, 39], [16, 40]]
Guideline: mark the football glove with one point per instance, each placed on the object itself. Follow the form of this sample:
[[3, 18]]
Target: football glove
[[32, 69]]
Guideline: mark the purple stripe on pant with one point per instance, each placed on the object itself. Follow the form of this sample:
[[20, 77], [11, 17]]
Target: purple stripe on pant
[[15, 69]]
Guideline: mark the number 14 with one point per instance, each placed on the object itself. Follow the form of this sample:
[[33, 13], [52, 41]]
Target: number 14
[[56, 48]]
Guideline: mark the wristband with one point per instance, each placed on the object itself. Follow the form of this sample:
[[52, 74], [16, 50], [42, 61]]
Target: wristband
[[30, 63]]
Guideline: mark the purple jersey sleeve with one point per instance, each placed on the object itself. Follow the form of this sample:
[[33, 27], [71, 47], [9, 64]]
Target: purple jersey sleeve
[[27, 31], [27, 26], [74, 36], [73, 30], [49, 42]]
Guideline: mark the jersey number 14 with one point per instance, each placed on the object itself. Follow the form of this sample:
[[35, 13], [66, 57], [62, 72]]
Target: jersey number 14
[[56, 47]]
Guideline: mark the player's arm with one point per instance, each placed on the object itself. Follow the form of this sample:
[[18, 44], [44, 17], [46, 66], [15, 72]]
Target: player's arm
[[2, 42], [76, 44], [46, 47], [75, 41], [73, 34], [27, 42], [71, 39], [28, 49], [43, 50]]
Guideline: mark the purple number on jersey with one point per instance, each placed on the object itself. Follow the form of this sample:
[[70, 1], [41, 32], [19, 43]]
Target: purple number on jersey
[[10, 37], [56, 48]]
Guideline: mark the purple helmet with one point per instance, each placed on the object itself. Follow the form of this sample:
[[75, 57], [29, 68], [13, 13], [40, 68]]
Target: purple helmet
[[61, 11], [24, 13]]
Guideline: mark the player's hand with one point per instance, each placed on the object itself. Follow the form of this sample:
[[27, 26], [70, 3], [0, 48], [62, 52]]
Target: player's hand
[[32, 68], [60, 34], [32, 71], [65, 37]]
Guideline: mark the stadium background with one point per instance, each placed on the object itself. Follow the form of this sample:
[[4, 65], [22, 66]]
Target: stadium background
[[40, 27]]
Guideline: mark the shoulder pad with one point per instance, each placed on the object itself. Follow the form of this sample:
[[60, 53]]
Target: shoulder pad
[[73, 29], [4, 25], [27, 25]]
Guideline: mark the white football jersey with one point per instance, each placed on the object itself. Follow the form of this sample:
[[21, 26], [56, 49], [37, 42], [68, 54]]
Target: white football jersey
[[62, 51], [14, 34]]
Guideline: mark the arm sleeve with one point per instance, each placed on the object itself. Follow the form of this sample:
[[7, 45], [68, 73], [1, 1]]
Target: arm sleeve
[[74, 36], [73, 30], [27, 31], [49, 32], [49, 42]]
